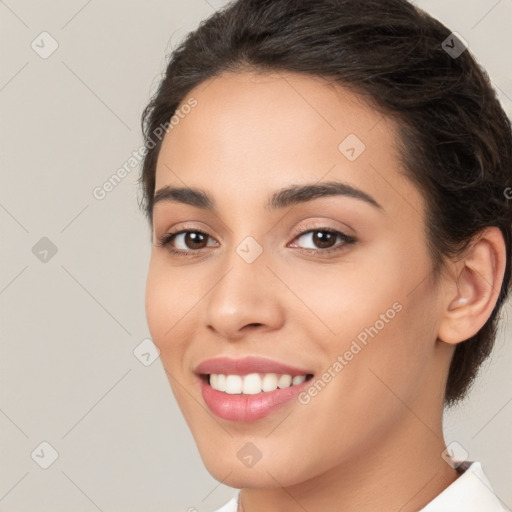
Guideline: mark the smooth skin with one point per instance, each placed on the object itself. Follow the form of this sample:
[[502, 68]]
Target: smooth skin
[[372, 438]]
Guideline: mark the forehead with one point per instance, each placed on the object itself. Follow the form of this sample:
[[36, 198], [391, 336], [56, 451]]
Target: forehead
[[260, 132]]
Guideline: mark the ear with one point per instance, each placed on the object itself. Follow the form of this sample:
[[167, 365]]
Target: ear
[[475, 287]]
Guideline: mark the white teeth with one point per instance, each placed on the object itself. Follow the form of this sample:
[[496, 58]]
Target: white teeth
[[285, 381], [253, 383], [269, 382], [233, 384], [221, 382]]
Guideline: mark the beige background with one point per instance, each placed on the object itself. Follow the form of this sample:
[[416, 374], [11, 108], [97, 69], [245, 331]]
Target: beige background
[[69, 326]]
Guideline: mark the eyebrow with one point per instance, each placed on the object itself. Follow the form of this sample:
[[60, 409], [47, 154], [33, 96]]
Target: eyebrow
[[292, 195]]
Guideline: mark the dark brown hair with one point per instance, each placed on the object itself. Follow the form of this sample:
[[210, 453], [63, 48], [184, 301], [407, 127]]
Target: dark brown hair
[[455, 138]]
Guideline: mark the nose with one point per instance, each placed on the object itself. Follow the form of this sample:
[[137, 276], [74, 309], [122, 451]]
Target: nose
[[246, 297]]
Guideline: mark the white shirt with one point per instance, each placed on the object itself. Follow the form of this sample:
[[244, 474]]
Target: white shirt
[[471, 492]]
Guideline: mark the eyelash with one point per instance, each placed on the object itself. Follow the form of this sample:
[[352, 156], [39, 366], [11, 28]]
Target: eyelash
[[166, 240]]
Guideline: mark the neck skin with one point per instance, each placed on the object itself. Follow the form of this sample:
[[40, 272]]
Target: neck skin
[[402, 471]]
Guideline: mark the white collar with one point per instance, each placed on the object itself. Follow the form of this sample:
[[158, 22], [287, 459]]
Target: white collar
[[471, 492]]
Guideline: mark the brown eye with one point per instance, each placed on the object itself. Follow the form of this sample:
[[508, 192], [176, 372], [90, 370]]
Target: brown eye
[[195, 239], [324, 240], [190, 240]]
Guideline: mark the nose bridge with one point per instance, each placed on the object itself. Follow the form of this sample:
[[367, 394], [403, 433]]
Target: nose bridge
[[244, 272], [244, 291]]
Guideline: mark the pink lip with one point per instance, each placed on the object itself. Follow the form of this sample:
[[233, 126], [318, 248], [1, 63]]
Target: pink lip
[[246, 365], [246, 408]]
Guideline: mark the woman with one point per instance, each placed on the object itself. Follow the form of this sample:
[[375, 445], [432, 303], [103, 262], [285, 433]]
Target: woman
[[326, 188]]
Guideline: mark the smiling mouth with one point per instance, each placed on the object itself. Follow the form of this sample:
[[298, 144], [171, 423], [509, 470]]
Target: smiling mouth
[[253, 383]]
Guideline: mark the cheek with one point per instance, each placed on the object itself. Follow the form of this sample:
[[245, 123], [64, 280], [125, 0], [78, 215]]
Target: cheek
[[343, 298], [155, 305], [391, 320], [170, 326], [372, 307], [166, 305]]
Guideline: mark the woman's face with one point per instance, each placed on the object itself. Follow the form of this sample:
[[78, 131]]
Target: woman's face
[[361, 316]]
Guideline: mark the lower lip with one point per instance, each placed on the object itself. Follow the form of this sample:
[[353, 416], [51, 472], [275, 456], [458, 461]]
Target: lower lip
[[246, 408]]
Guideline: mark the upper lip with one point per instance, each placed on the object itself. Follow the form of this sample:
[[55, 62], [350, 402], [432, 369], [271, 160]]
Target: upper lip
[[246, 365]]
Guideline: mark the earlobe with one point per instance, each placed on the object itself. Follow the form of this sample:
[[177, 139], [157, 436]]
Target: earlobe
[[479, 278]]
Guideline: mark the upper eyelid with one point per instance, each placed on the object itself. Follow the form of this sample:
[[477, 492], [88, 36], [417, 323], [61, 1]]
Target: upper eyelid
[[299, 232], [326, 228], [318, 225]]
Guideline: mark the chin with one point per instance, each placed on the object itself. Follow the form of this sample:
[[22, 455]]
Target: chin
[[272, 473], [249, 478]]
